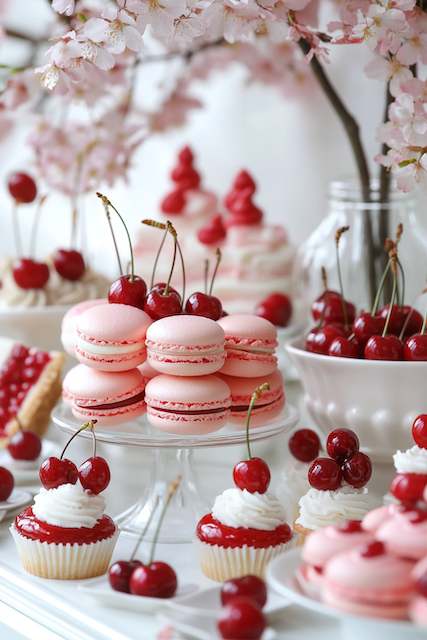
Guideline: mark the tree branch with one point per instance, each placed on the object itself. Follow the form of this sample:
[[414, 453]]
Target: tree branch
[[20, 35], [187, 55]]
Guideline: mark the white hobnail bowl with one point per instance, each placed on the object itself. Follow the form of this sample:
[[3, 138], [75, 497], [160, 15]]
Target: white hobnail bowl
[[377, 399]]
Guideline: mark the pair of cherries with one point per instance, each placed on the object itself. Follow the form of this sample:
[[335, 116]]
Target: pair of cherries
[[243, 600], [408, 488]]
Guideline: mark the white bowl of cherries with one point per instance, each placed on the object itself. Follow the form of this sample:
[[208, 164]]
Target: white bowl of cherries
[[365, 371]]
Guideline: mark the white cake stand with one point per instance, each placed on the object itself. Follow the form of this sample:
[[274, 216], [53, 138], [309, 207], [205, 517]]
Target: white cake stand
[[172, 455]]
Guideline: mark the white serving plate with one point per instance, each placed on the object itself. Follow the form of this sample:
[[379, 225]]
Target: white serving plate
[[15, 502], [27, 473], [281, 577], [201, 627]]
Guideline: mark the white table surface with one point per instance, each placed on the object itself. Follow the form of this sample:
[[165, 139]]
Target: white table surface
[[34, 608]]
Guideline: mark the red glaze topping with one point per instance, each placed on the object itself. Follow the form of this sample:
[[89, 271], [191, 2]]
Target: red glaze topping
[[212, 531], [18, 374], [30, 527]]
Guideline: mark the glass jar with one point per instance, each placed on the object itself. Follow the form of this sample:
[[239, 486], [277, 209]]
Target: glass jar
[[358, 261]]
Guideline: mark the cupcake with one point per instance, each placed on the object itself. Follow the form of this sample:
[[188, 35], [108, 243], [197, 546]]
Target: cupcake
[[65, 534], [337, 486], [246, 527], [411, 466]]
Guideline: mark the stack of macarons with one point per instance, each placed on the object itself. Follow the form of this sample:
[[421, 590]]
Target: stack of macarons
[[109, 342]]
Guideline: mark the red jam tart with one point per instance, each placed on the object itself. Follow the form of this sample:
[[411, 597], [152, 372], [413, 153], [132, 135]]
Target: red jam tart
[[211, 531], [30, 385], [29, 526]]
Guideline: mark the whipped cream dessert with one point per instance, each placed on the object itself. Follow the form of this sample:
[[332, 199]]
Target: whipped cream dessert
[[413, 460], [69, 505], [322, 508], [293, 485], [237, 508]]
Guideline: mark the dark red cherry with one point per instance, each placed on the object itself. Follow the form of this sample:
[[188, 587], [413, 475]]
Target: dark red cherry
[[398, 317], [30, 274], [415, 348], [124, 290], [94, 474], [214, 232], [357, 470], [419, 431], [120, 572], [201, 304], [22, 187], [341, 444], [252, 475], [325, 474], [384, 348], [54, 472], [7, 483], [69, 263], [409, 487], [173, 203], [277, 308], [304, 445], [24, 445], [365, 326], [328, 308], [158, 305], [156, 580], [372, 549], [343, 347], [251, 587], [320, 339], [242, 619]]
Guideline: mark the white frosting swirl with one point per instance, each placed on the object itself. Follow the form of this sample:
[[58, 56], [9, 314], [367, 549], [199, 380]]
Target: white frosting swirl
[[236, 508], [13, 296], [63, 292], [293, 485], [322, 508], [413, 460], [69, 506]]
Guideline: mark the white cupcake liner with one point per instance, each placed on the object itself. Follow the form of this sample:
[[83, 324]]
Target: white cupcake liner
[[64, 561], [224, 563]]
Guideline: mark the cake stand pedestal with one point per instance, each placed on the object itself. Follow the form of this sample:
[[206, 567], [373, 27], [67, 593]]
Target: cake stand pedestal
[[171, 455]]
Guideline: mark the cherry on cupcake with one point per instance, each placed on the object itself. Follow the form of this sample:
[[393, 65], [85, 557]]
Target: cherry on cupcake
[[251, 587], [156, 579], [304, 445], [24, 445], [252, 474], [206, 304], [325, 474], [22, 187], [69, 263], [214, 232], [408, 488], [357, 470], [30, 274], [277, 308], [341, 444], [419, 431], [130, 288], [241, 619], [94, 473]]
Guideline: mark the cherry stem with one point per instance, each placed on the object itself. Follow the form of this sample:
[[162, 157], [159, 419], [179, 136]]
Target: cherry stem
[[167, 287], [376, 303], [402, 276], [86, 425], [218, 261], [145, 529], [156, 260], [174, 233], [35, 225], [93, 442], [74, 219], [393, 260], [132, 261], [337, 244], [405, 324], [423, 328], [206, 273], [16, 230], [324, 276], [255, 396], [169, 495], [113, 235]]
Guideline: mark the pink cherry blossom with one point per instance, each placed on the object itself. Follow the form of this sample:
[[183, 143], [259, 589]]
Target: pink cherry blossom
[[64, 6]]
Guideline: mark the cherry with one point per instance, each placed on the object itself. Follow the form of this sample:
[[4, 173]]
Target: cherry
[[214, 232], [120, 572], [384, 348], [408, 487], [341, 444], [350, 526], [24, 445], [159, 305], [173, 203], [421, 585], [372, 549], [124, 290], [251, 587], [94, 474], [30, 274], [366, 325], [318, 306], [415, 348], [22, 187], [7, 483], [398, 318], [155, 580], [419, 431], [161, 286], [202, 304], [69, 263], [242, 619], [357, 470], [252, 475], [325, 474], [329, 308], [320, 339], [304, 445], [343, 347], [277, 308], [55, 471]]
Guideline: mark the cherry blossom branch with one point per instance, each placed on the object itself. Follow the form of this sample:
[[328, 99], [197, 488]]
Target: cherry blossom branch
[[384, 197], [187, 55]]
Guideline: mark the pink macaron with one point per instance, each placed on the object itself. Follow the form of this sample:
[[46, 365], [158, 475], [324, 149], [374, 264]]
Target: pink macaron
[[109, 397], [185, 346], [111, 337], [250, 343], [187, 405], [68, 326], [369, 581], [375, 518], [405, 534], [269, 405]]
